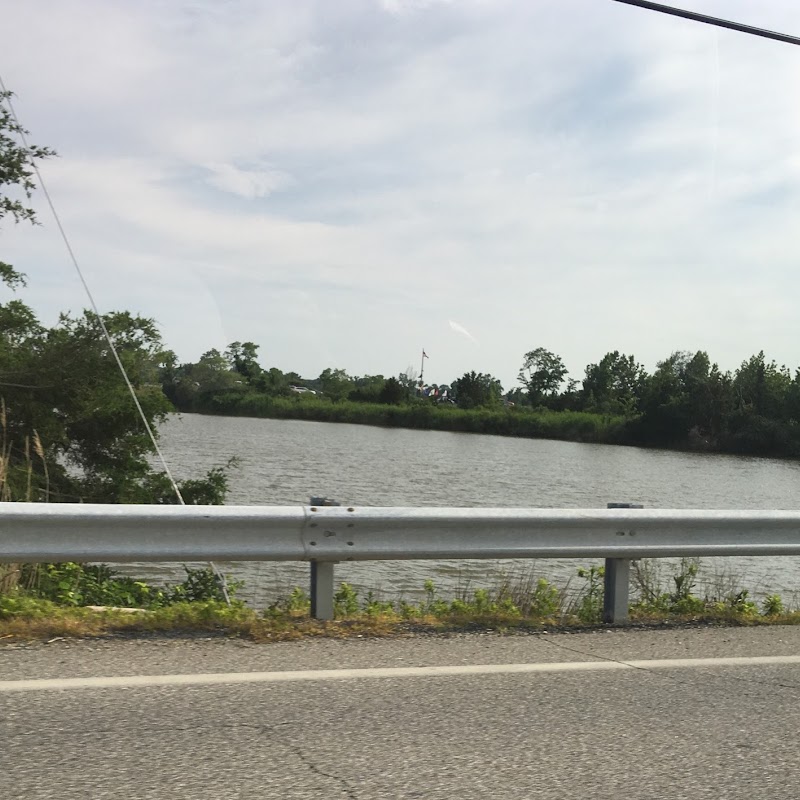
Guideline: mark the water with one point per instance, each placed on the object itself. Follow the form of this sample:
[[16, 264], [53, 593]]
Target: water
[[284, 462]]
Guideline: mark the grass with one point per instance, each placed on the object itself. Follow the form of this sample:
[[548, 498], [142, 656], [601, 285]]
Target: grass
[[521, 422], [520, 602], [45, 621]]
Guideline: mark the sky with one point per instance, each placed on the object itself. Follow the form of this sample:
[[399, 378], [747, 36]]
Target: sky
[[346, 183]]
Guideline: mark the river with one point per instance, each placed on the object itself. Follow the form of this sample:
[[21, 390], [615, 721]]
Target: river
[[284, 462]]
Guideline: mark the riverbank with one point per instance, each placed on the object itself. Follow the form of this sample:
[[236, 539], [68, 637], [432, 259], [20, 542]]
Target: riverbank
[[526, 605], [751, 435], [573, 426], [215, 619]]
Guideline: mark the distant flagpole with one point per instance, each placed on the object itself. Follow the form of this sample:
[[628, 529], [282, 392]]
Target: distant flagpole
[[422, 369]]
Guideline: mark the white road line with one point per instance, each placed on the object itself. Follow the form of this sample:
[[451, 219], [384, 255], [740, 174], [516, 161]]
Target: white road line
[[211, 678]]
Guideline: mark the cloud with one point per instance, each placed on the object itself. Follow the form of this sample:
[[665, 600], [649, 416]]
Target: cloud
[[454, 326], [398, 7], [246, 183], [587, 179]]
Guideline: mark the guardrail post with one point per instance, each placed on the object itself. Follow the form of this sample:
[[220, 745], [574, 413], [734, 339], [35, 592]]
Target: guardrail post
[[616, 582], [322, 589], [322, 575]]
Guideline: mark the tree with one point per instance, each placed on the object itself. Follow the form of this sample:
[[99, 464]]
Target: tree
[[71, 431], [243, 358], [762, 387], [793, 399], [614, 385], [474, 389], [685, 395], [272, 382], [17, 162], [408, 379], [542, 373], [367, 389], [191, 386], [68, 426], [393, 392], [335, 383], [665, 417], [518, 396]]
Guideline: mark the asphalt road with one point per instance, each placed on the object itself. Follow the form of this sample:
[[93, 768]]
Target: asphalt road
[[716, 731]]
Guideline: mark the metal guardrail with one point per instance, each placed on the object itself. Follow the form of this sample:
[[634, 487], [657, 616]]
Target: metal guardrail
[[38, 532]]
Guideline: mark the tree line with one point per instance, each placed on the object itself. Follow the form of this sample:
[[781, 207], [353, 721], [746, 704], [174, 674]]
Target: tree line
[[687, 401]]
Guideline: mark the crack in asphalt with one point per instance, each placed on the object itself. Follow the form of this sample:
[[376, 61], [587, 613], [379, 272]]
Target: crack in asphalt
[[297, 751]]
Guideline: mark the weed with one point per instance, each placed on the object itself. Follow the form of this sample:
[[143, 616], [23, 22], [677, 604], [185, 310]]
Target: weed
[[345, 601], [373, 607], [740, 603], [72, 584], [590, 602], [647, 580], [532, 595], [773, 605], [202, 584], [295, 604], [53, 605]]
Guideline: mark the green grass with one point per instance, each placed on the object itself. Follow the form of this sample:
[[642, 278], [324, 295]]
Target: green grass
[[520, 602], [539, 424]]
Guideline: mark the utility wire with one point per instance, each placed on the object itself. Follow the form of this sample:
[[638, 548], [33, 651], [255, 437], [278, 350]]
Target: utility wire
[[721, 23], [106, 334]]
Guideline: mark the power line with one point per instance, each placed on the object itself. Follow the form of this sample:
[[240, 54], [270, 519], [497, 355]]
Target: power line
[[23, 138], [101, 322], [720, 23]]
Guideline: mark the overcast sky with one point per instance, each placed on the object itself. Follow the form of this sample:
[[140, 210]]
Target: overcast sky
[[344, 183]]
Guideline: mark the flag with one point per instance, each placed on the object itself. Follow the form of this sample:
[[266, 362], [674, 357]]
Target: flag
[[425, 355]]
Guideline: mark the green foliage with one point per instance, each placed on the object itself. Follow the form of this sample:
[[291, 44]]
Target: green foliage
[[687, 402], [60, 592], [25, 605], [545, 600], [71, 584], [682, 600], [522, 422], [374, 607], [202, 583], [210, 490], [761, 387], [773, 605], [393, 392], [740, 603], [725, 599], [476, 390], [542, 373], [368, 389], [614, 385], [297, 602], [335, 384], [17, 163], [345, 601], [590, 603], [243, 358], [70, 403]]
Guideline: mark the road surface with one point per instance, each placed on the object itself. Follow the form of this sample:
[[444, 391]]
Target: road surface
[[469, 716]]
